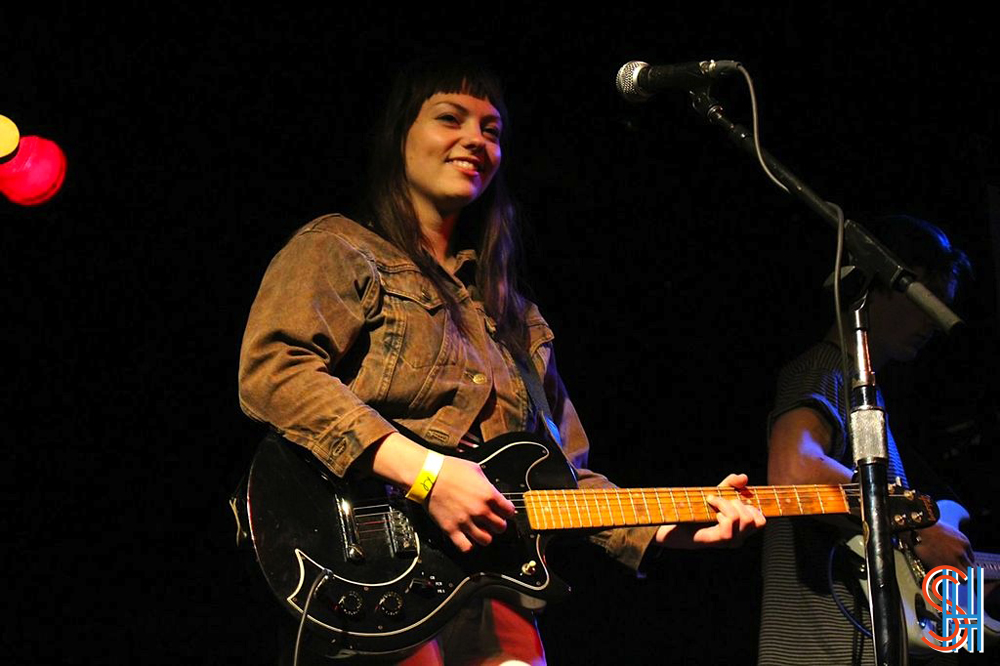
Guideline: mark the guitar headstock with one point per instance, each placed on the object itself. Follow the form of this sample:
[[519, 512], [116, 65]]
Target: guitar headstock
[[908, 509]]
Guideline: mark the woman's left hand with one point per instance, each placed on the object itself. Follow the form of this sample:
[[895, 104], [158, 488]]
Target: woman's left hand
[[735, 521]]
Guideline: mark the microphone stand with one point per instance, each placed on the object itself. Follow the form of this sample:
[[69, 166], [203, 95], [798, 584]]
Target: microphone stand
[[866, 425]]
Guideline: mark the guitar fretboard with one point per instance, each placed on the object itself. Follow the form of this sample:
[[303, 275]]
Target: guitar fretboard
[[614, 507]]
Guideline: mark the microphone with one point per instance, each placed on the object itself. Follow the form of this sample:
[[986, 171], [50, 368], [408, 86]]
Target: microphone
[[638, 81], [32, 169]]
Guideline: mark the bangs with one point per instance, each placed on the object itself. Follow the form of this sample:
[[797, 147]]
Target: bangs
[[461, 77]]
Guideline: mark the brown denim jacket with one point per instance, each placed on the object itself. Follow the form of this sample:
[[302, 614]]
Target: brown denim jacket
[[347, 332]]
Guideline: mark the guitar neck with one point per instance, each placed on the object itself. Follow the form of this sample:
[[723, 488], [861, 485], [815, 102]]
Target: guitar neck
[[621, 507]]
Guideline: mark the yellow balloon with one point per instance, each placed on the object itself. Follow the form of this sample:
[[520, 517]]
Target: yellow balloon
[[9, 137]]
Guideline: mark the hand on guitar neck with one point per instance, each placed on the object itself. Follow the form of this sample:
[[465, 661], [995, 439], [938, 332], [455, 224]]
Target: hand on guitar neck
[[735, 522]]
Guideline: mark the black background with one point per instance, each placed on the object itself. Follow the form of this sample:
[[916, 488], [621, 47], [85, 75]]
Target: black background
[[676, 277]]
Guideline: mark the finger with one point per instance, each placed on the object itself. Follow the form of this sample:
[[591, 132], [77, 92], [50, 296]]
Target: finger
[[725, 507], [725, 515], [461, 542], [501, 504], [491, 522], [734, 481], [476, 534], [750, 515]]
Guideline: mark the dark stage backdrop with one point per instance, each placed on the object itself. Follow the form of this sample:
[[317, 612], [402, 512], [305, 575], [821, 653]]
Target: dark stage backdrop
[[676, 278]]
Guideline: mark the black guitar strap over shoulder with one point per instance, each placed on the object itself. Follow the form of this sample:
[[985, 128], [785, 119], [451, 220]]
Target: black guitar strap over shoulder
[[536, 392]]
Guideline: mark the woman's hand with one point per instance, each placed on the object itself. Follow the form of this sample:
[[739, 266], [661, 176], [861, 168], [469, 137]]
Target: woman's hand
[[462, 502], [735, 521], [466, 505]]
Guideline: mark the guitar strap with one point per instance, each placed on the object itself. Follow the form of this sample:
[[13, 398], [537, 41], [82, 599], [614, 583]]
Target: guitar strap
[[533, 383]]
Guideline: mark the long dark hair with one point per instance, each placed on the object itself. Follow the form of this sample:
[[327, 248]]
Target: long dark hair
[[488, 224]]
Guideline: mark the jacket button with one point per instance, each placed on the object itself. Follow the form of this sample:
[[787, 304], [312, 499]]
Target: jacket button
[[479, 378]]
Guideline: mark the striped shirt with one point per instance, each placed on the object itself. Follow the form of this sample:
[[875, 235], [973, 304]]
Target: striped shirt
[[800, 621]]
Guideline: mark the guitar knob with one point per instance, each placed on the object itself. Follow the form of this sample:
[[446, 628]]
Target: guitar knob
[[350, 604], [391, 604]]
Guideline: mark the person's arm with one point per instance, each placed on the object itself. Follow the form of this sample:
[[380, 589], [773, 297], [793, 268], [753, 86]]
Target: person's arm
[[312, 305], [798, 450], [799, 441]]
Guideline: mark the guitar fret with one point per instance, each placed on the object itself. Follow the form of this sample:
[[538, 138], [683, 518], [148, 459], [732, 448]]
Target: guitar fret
[[635, 514], [777, 501], [586, 505], [798, 499], [579, 516], [819, 496], [621, 509], [562, 508], [659, 507], [687, 501]]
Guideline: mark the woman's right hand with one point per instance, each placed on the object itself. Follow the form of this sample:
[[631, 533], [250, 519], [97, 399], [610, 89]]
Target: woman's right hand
[[466, 505], [463, 502]]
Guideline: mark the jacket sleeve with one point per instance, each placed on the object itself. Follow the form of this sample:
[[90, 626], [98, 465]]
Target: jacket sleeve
[[311, 307], [627, 545]]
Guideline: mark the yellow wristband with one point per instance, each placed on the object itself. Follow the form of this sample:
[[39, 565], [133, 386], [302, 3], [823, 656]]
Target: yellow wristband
[[425, 480]]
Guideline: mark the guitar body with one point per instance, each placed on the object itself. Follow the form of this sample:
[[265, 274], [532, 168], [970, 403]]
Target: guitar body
[[371, 573], [916, 617], [394, 578]]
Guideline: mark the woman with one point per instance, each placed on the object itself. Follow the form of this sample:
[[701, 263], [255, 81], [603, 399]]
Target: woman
[[413, 318]]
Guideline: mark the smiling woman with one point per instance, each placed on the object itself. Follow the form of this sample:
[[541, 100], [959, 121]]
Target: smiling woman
[[452, 152], [372, 344]]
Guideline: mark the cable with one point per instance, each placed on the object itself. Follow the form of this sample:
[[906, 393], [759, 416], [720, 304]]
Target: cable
[[845, 364], [321, 578], [756, 127], [833, 594]]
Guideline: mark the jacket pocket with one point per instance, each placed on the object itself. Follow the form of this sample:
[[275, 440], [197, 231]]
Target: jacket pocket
[[417, 321]]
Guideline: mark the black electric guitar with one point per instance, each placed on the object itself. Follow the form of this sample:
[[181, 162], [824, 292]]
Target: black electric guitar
[[374, 574]]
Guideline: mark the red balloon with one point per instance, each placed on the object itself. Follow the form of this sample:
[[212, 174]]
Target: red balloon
[[35, 173]]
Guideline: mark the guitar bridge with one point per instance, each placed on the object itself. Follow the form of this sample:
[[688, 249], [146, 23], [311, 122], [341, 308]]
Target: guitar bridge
[[402, 538], [349, 531]]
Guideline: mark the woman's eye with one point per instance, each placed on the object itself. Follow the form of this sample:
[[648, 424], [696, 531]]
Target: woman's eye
[[493, 132], [448, 118]]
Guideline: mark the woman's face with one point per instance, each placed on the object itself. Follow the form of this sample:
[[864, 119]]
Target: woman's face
[[452, 152]]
